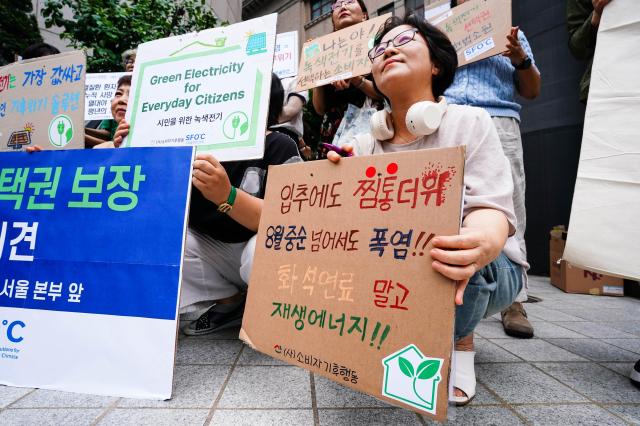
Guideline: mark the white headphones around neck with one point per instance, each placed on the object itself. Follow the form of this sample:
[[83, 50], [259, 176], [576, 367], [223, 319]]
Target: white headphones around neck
[[423, 119]]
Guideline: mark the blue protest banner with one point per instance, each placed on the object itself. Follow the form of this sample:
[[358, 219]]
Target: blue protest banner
[[91, 246]]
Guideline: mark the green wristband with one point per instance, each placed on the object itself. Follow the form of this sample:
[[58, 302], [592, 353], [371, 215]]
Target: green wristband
[[228, 205]]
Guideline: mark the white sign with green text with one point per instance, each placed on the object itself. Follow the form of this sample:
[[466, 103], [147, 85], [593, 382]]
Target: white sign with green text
[[208, 89]]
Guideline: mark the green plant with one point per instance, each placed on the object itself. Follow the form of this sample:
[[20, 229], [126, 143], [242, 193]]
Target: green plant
[[18, 28], [106, 28]]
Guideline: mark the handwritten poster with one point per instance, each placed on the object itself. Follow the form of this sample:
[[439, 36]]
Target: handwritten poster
[[208, 89], [478, 29], [338, 55], [285, 58], [99, 90], [42, 102], [91, 246], [342, 282]]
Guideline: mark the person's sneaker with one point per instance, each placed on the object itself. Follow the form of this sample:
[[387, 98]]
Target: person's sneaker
[[212, 321], [635, 375], [515, 322]]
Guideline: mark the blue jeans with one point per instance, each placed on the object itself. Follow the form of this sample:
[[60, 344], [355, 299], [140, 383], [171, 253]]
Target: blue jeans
[[490, 290]]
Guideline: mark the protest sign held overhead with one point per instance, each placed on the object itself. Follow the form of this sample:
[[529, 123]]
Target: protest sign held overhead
[[285, 59], [208, 89], [437, 10], [99, 90], [339, 55], [342, 282], [42, 102], [477, 29], [90, 267]]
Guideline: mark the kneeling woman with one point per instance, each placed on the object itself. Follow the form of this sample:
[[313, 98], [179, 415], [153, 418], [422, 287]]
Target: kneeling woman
[[413, 63]]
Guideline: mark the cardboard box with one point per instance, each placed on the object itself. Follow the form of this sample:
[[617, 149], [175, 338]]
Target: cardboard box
[[572, 279]]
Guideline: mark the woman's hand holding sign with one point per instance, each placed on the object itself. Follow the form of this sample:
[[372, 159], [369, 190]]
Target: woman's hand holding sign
[[211, 178]]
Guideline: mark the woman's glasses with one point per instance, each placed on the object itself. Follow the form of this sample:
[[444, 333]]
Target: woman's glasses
[[399, 40], [340, 3]]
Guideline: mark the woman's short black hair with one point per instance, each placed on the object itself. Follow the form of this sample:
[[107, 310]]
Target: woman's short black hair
[[441, 51], [125, 79], [39, 50], [276, 101]]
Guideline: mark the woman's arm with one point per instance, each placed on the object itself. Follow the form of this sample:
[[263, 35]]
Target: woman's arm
[[320, 99], [528, 80], [482, 238], [366, 87]]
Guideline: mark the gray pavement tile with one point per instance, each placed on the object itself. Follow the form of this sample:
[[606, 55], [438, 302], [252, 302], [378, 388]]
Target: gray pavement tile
[[549, 330], [154, 417], [9, 394], [538, 311], [567, 415], [42, 398], [490, 330], [630, 326], [267, 387], [252, 357], [262, 417], [330, 394], [594, 330], [629, 412], [597, 315], [195, 386], [522, 383], [487, 351], [632, 345], [594, 381], [195, 351], [483, 397], [536, 350], [470, 415], [49, 416], [623, 368], [594, 349], [380, 416]]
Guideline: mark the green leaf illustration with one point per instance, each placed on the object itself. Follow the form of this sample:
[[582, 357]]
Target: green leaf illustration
[[69, 134], [244, 127], [406, 367], [427, 369]]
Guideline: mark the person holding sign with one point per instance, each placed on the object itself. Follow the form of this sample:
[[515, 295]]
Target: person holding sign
[[492, 84], [119, 105], [331, 101], [413, 64], [226, 204]]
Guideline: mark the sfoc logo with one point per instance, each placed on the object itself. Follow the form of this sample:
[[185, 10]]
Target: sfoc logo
[[12, 330]]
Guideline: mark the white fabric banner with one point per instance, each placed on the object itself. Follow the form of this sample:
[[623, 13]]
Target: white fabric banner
[[603, 233]]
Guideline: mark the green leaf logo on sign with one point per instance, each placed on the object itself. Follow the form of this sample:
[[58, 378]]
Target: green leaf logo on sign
[[412, 378]]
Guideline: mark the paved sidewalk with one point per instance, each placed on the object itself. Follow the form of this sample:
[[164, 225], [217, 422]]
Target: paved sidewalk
[[575, 371]]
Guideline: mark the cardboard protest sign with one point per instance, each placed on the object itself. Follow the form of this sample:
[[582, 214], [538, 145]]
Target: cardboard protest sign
[[342, 282], [604, 235], [437, 10], [208, 89], [285, 59], [478, 29], [99, 90], [91, 250], [338, 55], [42, 102]]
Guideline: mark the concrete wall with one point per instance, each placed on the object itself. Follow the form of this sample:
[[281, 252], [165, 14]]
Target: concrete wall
[[551, 125]]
